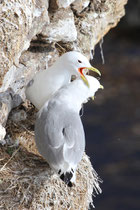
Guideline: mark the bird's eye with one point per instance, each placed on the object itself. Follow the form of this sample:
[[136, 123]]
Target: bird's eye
[[79, 61]]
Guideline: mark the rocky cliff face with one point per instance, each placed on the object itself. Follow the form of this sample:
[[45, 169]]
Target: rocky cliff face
[[33, 33]]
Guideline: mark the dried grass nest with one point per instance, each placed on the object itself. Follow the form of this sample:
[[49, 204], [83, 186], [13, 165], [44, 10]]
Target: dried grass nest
[[26, 180]]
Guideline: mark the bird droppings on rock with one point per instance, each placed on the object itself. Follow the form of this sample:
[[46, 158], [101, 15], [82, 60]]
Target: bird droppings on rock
[[2, 134], [61, 27], [18, 116]]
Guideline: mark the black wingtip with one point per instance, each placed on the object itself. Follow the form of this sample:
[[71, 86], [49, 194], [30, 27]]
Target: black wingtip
[[67, 177], [70, 184]]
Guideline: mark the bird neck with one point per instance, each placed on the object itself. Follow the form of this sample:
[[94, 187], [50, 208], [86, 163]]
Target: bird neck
[[74, 94]]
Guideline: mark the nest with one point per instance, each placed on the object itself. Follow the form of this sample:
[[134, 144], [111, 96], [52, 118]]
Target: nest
[[26, 180]]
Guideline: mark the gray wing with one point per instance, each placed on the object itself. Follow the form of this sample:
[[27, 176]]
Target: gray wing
[[74, 140], [59, 135]]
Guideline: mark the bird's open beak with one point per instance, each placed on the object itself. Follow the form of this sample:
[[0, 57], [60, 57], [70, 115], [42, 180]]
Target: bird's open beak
[[89, 68]]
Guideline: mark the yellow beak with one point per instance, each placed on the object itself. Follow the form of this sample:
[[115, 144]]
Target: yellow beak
[[89, 68], [101, 87], [93, 97], [85, 80], [94, 69]]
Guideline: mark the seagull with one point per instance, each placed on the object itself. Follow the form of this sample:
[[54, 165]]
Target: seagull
[[45, 83], [59, 133]]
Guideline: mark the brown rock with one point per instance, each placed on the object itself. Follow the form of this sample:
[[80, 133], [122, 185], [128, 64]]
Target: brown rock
[[20, 22], [80, 5], [61, 27], [57, 4]]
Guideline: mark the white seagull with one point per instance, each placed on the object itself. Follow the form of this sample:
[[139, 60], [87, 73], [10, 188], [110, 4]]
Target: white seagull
[[46, 83], [59, 132]]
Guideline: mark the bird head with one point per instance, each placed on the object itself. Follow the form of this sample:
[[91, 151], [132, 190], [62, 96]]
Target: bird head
[[78, 64], [94, 85]]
